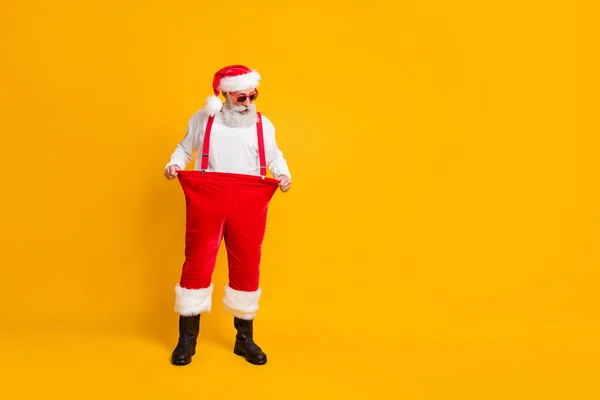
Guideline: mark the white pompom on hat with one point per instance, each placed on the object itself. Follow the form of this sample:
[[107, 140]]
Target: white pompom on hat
[[232, 78]]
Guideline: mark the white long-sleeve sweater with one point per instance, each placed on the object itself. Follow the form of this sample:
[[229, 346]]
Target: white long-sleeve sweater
[[233, 150]]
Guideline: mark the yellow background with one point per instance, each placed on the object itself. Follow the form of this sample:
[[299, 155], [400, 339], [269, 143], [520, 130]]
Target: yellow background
[[440, 240]]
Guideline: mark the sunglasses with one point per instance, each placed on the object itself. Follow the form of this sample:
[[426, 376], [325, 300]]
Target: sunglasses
[[242, 97]]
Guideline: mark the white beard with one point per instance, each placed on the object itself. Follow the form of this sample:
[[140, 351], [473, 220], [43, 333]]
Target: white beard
[[233, 117]]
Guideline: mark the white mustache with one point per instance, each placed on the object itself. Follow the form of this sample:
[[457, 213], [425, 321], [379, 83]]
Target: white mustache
[[240, 108]]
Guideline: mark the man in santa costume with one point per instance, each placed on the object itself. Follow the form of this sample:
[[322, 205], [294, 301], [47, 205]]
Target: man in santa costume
[[227, 196]]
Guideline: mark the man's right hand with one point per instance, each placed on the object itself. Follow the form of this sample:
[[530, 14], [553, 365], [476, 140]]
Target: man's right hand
[[171, 172]]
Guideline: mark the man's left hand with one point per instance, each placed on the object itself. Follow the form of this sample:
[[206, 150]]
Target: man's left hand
[[284, 183]]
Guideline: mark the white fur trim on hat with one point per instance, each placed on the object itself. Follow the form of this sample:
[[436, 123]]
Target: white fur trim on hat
[[239, 82], [243, 305], [213, 105], [190, 302]]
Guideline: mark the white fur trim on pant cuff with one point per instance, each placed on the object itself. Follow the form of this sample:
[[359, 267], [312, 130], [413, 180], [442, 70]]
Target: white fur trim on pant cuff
[[239, 82], [190, 302], [243, 305]]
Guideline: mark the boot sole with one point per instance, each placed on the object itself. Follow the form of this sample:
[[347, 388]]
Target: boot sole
[[241, 354], [181, 363]]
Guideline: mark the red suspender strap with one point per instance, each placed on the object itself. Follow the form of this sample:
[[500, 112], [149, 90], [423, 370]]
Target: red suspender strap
[[261, 146], [206, 144]]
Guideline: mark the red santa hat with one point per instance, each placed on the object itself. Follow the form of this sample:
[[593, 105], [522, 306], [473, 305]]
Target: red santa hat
[[232, 78]]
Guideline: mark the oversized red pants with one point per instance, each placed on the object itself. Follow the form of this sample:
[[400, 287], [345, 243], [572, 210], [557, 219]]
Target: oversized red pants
[[221, 206]]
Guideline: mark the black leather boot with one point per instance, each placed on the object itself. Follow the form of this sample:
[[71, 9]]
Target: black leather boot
[[244, 343], [189, 328]]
